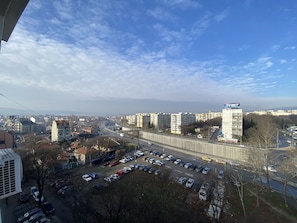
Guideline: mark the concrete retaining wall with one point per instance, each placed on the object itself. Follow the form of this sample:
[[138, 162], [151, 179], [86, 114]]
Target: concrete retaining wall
[[199, 147]]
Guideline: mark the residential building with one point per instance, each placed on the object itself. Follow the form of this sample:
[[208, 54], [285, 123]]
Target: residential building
[[160, 121], [207, 116], [232, 121], [142, 120], [6, 139], [131, 119], [181, 119], [25, 126], [11, 173], [60, 130]]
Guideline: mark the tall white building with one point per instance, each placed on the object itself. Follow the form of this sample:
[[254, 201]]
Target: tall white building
[[60, 130], [232, 121], [160, 120], [181, 119], [11, 173], [142, 120]]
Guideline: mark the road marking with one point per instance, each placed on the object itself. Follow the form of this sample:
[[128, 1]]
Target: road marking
[[178, 171], [190, 175], [168, 167]]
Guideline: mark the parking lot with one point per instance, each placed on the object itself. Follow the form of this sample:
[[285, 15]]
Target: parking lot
[[65, 189]]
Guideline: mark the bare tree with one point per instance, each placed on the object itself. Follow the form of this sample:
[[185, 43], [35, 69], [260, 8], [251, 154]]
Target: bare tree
[[288, 172], [261, 138], [237, 179]]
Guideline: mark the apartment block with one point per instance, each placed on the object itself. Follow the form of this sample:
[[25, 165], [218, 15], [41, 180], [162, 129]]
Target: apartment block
[[160, 121], [207, 116], [60, 130], [181, 119], [142, 120], [232, 121]]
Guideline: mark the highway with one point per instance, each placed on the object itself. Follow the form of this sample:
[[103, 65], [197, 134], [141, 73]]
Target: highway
[[247, 173]]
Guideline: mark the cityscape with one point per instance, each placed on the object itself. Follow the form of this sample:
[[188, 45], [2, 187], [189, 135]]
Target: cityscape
[[148, 111]]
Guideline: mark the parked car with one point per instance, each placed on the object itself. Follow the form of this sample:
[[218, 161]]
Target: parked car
[[182, 180], [28, 214], [159, 162], [187, 165], [199, 168], [177, 161], [190, 183], [270, 169], [47, 208], [114, 163], [35, 194], [24, 197], [232, 163], [87, 178], [221, 174], [35, 217], [207, 159], [205, 170], [64, 191], [94, 175]]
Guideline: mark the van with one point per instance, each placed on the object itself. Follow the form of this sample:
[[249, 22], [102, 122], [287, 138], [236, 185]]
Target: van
[[204, 191]]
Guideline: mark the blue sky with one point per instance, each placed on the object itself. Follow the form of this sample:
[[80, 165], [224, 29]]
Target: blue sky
[[122, 57]]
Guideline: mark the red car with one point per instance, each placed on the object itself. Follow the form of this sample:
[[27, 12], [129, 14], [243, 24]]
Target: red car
[[114, 163], [120, 172]]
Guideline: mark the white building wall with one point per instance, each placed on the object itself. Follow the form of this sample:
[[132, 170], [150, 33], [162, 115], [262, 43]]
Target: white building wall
[[232, 123], [181, 119], [11, 173]]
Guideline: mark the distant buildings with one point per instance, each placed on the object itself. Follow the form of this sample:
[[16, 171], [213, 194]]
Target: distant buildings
[[181, 119], [160, 121], [232, 121], [142, 120], [207, 116], [60, 130]]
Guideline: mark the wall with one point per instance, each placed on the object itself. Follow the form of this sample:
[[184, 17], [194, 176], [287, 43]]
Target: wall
[[198, 147]]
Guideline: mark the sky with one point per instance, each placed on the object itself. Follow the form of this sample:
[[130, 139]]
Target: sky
[[107, 57]]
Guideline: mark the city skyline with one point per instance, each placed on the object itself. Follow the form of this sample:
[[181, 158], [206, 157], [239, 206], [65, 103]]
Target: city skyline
[[109, 58]]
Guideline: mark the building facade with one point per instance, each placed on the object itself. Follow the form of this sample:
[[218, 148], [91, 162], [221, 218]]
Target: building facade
[[60, 130], [142, 120], [207, 116], [11, 173], [232, 121], [181, 119], [6, 139], [160, 121]]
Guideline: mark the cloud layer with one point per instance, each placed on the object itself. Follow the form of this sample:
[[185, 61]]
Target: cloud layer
[[120, 57]]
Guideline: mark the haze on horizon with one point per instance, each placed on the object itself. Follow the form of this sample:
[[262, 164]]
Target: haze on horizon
[[111, 57]]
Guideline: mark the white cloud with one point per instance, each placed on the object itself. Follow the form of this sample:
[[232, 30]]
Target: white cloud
[[290, 48], [221, 16]]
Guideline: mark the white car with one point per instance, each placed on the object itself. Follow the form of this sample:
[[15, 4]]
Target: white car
[[163, 156], [87, 177], [205, 170], [35, 194], [182, 180], [190, 183], [270, 169], [187, 165], [159, 162], [177, 161], [232, 163]]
